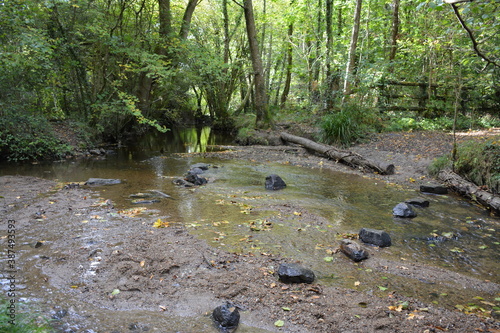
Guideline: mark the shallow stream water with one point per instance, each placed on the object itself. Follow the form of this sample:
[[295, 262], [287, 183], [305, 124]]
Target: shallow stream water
[[318, 207]]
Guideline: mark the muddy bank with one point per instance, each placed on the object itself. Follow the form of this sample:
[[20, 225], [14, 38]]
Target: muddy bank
[[168, 280]]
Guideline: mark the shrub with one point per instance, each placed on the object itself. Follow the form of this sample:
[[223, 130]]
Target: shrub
[[24, 322], [24, 137], [349, 125]]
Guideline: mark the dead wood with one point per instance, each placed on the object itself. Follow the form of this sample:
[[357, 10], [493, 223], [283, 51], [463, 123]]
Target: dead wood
[[470, 190], [344, 156]]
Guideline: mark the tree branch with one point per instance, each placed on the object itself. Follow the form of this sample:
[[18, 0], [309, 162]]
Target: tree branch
[[471, 36]]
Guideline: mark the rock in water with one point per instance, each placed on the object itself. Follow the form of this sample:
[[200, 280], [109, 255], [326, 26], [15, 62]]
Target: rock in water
[[403, 210], [353, 250], [294, 273], [433, 188], [102, 181], [274, 182], [196, 180], [226, 317], [418, 202], [375, 237]]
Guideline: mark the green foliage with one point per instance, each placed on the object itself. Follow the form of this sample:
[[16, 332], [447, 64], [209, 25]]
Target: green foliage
[[480, 163], [438, 164], [349, 125], [24, 137], [398, 123], [24, 322]]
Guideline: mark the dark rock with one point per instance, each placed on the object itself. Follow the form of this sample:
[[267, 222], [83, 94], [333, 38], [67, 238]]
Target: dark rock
[[353, 250], [202, 166], [294, 273], [102, 181], [403, 210], [60, 314], [36, 244], [418, 202], [274, 182], [195, 171], [376, 237], [95, 152], [226, 317], [182, 182], [434, 188], [196, 180]]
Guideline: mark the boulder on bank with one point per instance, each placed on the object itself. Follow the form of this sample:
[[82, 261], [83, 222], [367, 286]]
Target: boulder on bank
[[403, 210], [434, 188], [353, 250], [295, 273], [274, 182], [226, 317], [418, 202], [102, 181], [376, 237]]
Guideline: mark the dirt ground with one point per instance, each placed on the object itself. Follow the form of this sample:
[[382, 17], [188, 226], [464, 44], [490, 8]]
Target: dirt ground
[[168, 272]]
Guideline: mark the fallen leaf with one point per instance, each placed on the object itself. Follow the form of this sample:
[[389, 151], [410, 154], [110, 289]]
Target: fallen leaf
[[328, 259], [357, 283], [279, 323]]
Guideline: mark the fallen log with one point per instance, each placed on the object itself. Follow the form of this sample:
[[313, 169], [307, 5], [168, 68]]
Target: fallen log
[[470, 190], [346, 157]]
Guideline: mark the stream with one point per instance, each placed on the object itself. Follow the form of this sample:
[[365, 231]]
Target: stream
[[234, 212]]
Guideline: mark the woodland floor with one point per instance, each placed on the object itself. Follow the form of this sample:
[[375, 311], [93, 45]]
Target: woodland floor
[[168, 272]]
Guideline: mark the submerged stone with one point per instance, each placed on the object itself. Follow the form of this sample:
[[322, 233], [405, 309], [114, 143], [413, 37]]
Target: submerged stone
[[376, 237], [102, 181], [403, 210], [353, 250], [434, 188], [295, 273], [202, 166], [418, 202], [274, 182]]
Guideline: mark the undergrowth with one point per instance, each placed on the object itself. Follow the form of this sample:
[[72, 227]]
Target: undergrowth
[[479, 162], [20, 322], [26, 137]]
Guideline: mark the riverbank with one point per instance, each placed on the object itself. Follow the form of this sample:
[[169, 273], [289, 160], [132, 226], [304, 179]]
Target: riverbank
[[93, 267]]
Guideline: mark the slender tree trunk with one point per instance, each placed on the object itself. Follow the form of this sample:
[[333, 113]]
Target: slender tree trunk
[[352, 50], [260, 102], [329, 39], [289, 62], [394, 33], [186, 19]]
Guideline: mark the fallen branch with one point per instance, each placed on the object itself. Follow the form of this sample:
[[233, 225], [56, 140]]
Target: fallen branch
[[347, 157], [470, 190]]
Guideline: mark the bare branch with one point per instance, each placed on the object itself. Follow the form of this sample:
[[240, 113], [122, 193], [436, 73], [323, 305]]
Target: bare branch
[[471, 35]]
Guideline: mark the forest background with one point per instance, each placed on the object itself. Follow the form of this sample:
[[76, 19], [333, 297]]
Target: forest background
[[114, 68]]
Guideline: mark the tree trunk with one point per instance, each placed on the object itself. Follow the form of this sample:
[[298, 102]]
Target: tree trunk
[[329, 43], [470, 190], [186, 19], [289, 60], [350, 158], [394, 32], [260, 102], [352, 50], [165, 18]]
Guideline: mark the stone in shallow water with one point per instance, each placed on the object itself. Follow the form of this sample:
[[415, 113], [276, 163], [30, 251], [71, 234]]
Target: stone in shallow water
[[433, 188], [226, 317], [418, 202], [102, 181], [353, 250], [295, 273], [403, 210], [274, 182], [376, 237]]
